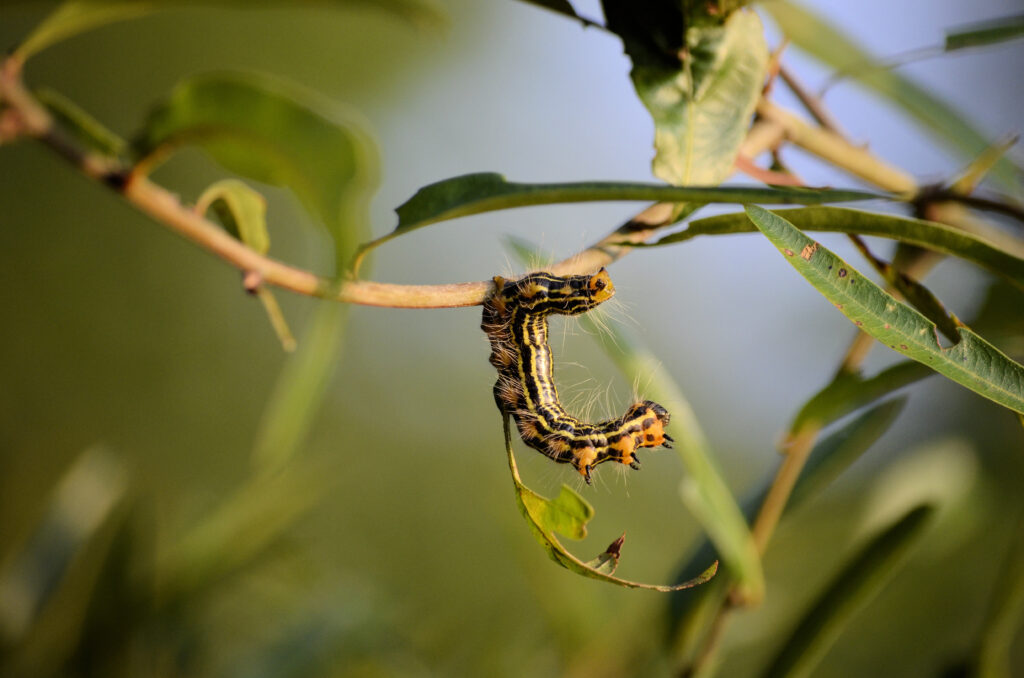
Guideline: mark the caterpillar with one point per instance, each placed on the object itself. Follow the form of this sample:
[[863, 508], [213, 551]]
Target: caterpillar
[[515, 320]]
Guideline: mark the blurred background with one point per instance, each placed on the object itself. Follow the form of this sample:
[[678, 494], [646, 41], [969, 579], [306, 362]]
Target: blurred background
[[134, 359]]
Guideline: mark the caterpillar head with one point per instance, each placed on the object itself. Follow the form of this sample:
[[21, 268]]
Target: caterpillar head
[[544, 293]]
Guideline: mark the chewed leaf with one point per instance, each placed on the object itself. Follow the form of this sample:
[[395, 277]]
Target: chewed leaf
[[706, 495], [268, 132], [73, 17], [972, 362], [567, 514], [607, 562], [702, 103], [489, 191], [570, 512]]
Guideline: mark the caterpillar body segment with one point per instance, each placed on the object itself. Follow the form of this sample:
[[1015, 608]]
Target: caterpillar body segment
[[515, 319]]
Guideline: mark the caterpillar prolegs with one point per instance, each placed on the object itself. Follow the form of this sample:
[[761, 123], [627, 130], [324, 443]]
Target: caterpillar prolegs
[[515, 320]]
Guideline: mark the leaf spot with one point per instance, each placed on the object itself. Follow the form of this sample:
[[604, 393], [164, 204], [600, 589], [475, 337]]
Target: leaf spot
[[903, 346], [808, 251], [857, 323], [842, 273], [788, 252], [886, 325]]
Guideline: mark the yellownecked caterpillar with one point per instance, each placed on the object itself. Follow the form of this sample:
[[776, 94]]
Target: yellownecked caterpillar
[[515, 320]]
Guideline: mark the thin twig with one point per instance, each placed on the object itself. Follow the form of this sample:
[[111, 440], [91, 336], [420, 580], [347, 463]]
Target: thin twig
[[27, 117], [812, 103]]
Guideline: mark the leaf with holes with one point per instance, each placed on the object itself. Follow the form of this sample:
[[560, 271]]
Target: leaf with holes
[[568, 515], [972, 362]]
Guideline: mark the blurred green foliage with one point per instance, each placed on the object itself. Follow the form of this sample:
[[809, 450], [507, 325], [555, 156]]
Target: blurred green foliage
[[178, 497]]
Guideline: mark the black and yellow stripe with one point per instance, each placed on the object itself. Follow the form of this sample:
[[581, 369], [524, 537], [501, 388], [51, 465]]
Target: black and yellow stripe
[[515, 320]]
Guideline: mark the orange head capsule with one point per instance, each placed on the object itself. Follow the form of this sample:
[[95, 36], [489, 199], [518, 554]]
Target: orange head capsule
[[601, 287]]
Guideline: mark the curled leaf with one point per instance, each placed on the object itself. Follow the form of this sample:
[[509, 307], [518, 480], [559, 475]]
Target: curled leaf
[[569, 514]]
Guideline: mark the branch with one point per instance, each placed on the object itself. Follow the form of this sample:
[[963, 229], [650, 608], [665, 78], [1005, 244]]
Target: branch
[[23, 115]]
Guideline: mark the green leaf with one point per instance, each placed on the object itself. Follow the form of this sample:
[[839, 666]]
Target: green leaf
[[74, 17], [702, 102], [243, 212], [928, 234], [1006, 610], [837, 452], [245, 526], [82, 502], [260, 129], [567, 514], [985, 33], [489, 191], [703, 489], [241, 209], [972, 362], [827, 43], [980, 166], [860, 581], [570, 513], [86, 129], [690, 616], [848, 392]]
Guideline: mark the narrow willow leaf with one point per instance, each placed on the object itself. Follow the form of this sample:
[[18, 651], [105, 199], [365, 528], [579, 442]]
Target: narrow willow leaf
[[848, 392], [981, 165], [1006, 610], [86, 129], [985, 33], [488, 191], [571, 512], [82, 502], [691, 615], [701, 101], [268, 132], [827, 43], [928, 234], [972, 362], [837, 452], [74, 17], [854, 587], [704, 491]]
